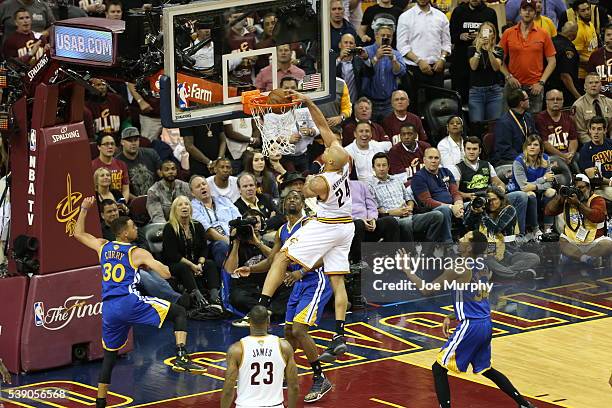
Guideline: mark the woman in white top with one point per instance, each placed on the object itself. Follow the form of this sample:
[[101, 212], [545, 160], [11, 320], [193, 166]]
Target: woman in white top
[[451, 147]]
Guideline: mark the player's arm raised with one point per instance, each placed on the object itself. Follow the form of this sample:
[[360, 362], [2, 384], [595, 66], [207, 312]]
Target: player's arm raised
[[291, 374], [234, 356], [142, 257], [80, 235], [315, 186]]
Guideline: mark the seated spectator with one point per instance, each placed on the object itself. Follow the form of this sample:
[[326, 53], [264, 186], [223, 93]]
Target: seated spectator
[[338, 24], [109, 212], [352, 66], [363, 149], [600, 63], [406, 157], [451, 147], [254, 162], [214, 213], [532, 174], [369, 227], [557, 129], [120, 180], [109, 111], [161, 194], [596, 158], [584, 234], [592, 103], [400, 116], [498, 221], [251, 199], [394, 200], [23, 44], [485, 58], [184, 251], [246, 290], [474, 176], [435, 188], [263, 81], [142, 162], [102, 187], [363, 113], [223, 184], [388, 65], [512, 128]]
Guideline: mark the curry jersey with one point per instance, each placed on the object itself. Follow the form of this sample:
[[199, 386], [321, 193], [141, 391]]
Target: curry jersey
[[473, 303], [338, 205], [261, 372], [119, 275]]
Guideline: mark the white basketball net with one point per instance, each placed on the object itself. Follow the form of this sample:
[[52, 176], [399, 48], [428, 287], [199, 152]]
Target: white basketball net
[[275, 128]]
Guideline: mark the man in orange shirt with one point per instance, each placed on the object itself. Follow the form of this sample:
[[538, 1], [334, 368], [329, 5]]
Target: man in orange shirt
[[525, 47]]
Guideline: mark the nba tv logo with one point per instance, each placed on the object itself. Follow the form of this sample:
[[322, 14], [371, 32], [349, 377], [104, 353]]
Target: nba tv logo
[[39, 314]]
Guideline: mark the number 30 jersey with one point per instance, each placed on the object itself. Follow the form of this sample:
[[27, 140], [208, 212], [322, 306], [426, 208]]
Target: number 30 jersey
[[338, 205], [119, 275], [261, 372]]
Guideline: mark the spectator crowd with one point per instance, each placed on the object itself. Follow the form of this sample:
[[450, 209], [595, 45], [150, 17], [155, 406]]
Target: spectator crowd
[[523, 154]]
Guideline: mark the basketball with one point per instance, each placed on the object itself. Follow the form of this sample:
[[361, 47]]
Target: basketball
[[278, 96]]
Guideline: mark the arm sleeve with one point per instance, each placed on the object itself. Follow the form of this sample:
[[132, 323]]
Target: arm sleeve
[[549, 48], [200, 236], [371, 206], [507, 216], [598, 210], [446, 39], [503, 141], [518, 171], [154, 206], [403, 33]]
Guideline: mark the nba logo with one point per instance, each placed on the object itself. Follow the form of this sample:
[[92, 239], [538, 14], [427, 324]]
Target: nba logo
[[39, 314], [182, 91], [33, 140]]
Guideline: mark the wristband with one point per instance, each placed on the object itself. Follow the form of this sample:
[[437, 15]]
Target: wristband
[[84, 208], [301, 271]]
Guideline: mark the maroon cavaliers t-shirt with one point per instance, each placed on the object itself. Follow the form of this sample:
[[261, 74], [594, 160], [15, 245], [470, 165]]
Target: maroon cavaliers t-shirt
[[601, 62], [558, 134]]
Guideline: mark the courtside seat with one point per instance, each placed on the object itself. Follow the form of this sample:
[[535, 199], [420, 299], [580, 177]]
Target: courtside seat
[[153, 234]]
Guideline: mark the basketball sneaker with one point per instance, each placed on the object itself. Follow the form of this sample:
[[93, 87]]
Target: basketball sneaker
[[529, 405], [183, 362], [336, 348], [320, 387]]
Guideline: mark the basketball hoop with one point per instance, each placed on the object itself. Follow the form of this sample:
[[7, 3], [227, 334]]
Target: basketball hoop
[[276, 122]]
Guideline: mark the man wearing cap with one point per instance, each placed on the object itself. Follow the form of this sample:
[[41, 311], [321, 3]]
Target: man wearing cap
[[142, 162], [584, 235], [525, 48]]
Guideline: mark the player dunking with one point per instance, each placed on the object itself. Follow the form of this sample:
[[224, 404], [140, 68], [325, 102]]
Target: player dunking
[[311, 292], [329, 236], [471, 341], [122, 304], [258, 363]]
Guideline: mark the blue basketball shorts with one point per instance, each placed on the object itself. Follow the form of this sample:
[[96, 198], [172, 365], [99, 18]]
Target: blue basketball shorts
[[469, 344], [308, 299], [120, 313]]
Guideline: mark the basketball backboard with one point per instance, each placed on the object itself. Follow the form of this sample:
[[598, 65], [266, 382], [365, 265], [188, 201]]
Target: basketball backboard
[[215, 50]]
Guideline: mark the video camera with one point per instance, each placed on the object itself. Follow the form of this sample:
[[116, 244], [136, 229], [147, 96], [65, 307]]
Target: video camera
[[480, 201], [244, 228]]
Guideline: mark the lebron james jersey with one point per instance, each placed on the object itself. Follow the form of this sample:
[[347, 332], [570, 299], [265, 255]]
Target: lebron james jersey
[[261, 373], [119, 275], [338, 204]]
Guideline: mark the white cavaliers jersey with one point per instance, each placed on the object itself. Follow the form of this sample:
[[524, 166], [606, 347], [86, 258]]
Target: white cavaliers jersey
[[261, 373], [339, 206]]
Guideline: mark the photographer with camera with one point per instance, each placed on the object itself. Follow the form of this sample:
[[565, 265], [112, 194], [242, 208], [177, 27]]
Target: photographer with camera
[[246, 250], [351, 66], [388, 66], [584, 212], [491, 213]]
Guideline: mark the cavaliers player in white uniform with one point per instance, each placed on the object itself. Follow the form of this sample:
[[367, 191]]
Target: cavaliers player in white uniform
[[327, 237], [259, 363]]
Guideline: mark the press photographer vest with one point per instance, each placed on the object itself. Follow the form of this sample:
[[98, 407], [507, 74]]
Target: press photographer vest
[[472, 180], [497, 242], [574, 220]]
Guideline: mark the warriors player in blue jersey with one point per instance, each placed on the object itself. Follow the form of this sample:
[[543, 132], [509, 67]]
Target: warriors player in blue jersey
[[471, 341], [328, 236], [311, 292], [122, 304]]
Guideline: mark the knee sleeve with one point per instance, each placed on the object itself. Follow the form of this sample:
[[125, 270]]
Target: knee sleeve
[[178, 315], [110, 358]]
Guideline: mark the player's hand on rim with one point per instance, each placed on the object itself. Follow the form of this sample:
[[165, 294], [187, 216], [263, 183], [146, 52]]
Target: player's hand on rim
[[296, 96]]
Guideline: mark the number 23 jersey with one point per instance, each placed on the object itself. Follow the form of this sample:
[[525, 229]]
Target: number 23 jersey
[[261, 372], [338, 203]]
